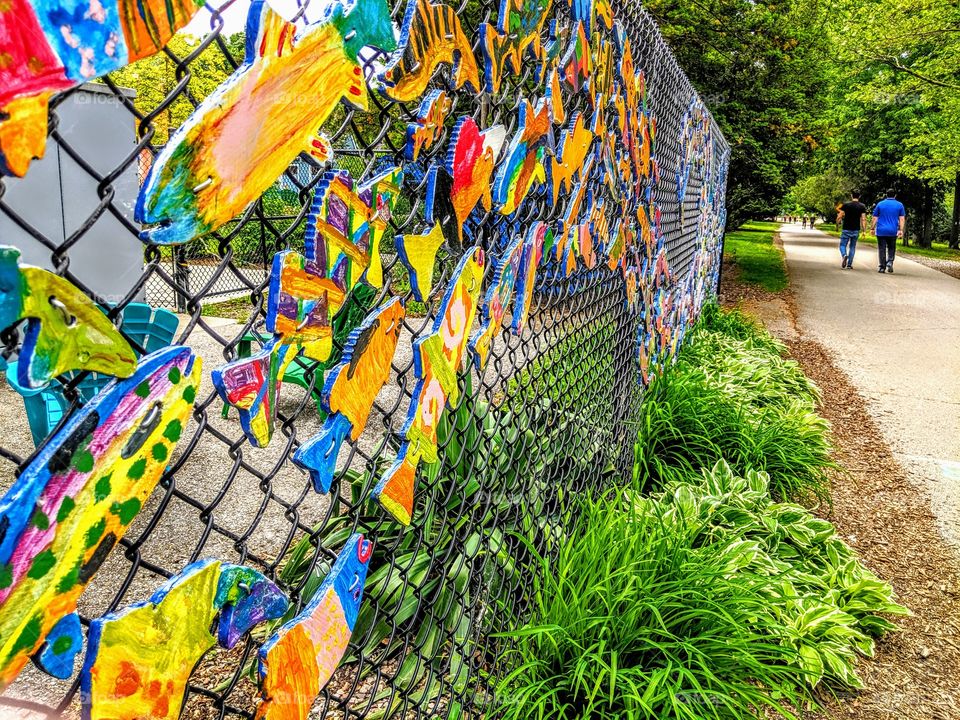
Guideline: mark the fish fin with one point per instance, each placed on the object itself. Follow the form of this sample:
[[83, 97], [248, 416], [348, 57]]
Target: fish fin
[[395, 491], [23, 135], [318, 147], [318, 455], [59, 651], [267, 32]]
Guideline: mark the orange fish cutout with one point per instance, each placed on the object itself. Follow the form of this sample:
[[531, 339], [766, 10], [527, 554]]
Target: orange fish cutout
[[575, 144], [437, 358]]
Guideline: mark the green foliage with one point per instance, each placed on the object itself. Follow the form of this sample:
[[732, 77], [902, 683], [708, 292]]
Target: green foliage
[[822, 193], [737, 399], [759, 261], [708, 600]]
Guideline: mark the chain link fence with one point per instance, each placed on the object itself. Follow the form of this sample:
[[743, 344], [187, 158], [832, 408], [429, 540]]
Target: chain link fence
[[546, 419]]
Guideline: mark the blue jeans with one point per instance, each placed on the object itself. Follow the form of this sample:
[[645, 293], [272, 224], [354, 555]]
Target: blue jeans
[[848, 244]]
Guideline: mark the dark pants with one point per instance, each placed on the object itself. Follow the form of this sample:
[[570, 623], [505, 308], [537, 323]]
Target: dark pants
[[887, 247]]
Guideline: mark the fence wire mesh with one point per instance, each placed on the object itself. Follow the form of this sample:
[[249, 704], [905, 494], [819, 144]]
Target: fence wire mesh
[[547, 419]]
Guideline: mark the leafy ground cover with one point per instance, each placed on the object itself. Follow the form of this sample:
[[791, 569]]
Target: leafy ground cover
[[701, 589], [758, 261]]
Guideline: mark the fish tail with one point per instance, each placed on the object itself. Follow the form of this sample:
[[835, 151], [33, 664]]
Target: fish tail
[[395, 491], [23, 135]]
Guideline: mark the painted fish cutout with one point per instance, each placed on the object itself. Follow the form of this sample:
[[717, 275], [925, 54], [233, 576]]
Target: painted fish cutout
[[523, 167], [48, 46], [498, 297], [418, 253], [576, 63], [140, 658], [533, 249], [575, 144], [437, 358], [299, 659], [430, 35], [75, 500], [346, 223], [554, 97], [575, 235], [244, 135], [350, 390], [65, 330], [516, 35], [252, 386], [422, 134], [454, 191], [300, 302]]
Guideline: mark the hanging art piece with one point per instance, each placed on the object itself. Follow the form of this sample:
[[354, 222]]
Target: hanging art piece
[[576, 64], [300, 303], [65, 330], [428, 127], [298, 660], [139, 659], [430, 35], [346, 223], [418, 253], [291, 80], [454, 190], [252, 386], [523, 165], [575, 144], [517, 35], [499, 294], [437, 358], [73, 503], [48, 46], [537, 242], [350, 390]]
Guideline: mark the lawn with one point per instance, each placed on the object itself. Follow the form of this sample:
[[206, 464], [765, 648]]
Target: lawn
[[750, 248], [940, 251]]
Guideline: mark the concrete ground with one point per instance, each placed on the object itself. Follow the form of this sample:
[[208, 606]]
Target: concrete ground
[[898, 339]]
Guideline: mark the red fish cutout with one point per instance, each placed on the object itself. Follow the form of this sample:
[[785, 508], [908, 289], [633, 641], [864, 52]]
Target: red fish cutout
[[454, 190]]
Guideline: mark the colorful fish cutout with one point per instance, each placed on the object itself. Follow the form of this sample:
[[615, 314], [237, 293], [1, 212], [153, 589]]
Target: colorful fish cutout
[[437, 358], [299, 659], [48, 46], [575, 238], [244, 135], [554, 97], [65, 329], [418, 253], [576, 63], [430, 35], [498, 297], [538, 235], [300, 304], [252, 385], [516, 35], [523, 167], [350, 390], [428, 128], [454, 190], [140, 658], [72, 504], [347, 222], [575, 144]]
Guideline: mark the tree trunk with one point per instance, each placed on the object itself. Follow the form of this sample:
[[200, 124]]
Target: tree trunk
[[955, 224], [926, 233]]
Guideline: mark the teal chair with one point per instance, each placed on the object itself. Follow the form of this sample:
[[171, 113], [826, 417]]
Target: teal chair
[[150, 329]]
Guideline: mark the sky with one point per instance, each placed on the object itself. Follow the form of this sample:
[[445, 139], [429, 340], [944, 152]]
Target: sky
[[235, 16]]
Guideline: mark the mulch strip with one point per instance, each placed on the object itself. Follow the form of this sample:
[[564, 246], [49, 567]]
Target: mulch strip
[[915, 673]]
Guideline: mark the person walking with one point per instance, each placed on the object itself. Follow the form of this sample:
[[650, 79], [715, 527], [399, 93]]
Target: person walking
[[889, 217], [803, 222], [853, 216]]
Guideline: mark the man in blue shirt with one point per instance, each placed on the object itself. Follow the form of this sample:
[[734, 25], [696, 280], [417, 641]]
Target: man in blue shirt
[[889, 217]]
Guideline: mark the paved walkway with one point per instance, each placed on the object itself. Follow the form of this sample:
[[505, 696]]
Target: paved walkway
[[898, 338]]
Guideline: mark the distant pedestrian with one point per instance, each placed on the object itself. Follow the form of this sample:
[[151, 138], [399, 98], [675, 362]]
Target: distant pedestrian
[[803, 222], [810, 223], [889, 217], [853, 215]]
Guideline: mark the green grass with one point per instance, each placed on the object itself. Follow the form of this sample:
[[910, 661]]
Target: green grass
[[750, 248], [238, 309], [939, 251]]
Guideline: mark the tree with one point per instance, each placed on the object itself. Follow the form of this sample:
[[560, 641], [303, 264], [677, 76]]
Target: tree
[[760, 68]]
